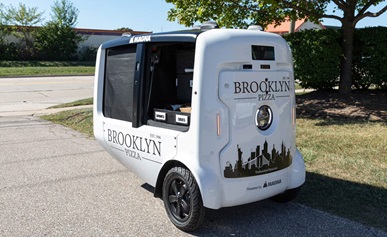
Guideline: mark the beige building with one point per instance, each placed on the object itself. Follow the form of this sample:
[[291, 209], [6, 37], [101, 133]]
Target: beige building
[[299, 25], [94, 37]]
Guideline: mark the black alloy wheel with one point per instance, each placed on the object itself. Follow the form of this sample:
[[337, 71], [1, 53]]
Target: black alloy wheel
[[182, 199]]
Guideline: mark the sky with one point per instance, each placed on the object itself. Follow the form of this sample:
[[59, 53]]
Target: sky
[[142, 15]]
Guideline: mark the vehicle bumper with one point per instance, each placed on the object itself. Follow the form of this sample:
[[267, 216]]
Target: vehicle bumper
[[226, 192]]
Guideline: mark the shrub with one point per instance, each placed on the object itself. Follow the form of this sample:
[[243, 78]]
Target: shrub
[[87, 53], [13, 51], [316, 55], [370, 58], [57, 42], [8, 51]]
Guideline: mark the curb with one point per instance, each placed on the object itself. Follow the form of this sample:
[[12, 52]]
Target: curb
[[57, 110]]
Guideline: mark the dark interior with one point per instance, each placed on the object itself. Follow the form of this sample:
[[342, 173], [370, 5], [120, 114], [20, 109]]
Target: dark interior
[[169, 82]]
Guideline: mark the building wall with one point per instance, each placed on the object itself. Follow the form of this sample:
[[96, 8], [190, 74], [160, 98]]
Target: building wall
[[91, 40], [11, 38], [94, 37], [96, 40], [307, 25], [300, 25]]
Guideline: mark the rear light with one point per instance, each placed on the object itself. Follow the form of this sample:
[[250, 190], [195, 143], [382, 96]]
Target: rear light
[[218, 124], [294, 116]]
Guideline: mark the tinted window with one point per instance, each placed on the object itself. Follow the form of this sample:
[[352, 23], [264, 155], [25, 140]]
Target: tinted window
[[119, 77], [262, 52]]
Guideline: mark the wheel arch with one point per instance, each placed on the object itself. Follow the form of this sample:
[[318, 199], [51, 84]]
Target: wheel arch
[[163, 172], [206, 180]]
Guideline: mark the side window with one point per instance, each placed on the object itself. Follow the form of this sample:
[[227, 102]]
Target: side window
[[170, 85], [119, 77], [259, 52]]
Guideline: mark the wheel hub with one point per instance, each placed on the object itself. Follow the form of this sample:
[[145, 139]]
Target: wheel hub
[[179, 198]]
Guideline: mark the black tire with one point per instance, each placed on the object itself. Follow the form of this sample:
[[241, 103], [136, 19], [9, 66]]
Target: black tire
[[287, 196], [182, 199]]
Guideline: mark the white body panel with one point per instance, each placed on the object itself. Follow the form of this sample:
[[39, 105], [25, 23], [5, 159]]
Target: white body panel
[[232, 160]]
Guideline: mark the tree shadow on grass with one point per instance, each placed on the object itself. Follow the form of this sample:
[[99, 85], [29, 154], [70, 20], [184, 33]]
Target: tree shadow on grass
[[359, 202], [359, 107]]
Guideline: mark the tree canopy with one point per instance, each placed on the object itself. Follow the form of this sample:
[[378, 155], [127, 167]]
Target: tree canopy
[[234, 13], [57, 37], [21, 16], [125, 28], [3, 26], [64, 13]]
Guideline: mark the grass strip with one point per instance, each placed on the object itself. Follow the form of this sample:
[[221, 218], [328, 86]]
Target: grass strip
[[45, 68], [77, 119], [46, 71], [87, 101], [5, 63]]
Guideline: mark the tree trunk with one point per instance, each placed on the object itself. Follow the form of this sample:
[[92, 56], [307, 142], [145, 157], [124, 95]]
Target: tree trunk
[[345, 84], [292, 26]]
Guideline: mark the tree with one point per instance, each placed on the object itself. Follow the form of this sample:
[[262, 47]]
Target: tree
[[3, 26], [234, 13], [21, 19], [57, 38], [125, 28], [64, 13]]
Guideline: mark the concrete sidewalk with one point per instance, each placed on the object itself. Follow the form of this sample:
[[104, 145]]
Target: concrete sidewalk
[[30, 95]]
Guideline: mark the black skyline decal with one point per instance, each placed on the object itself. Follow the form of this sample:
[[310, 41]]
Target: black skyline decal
[[259, 163]]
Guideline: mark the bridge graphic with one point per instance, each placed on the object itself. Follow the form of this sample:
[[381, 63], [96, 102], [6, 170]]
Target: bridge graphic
[[261, 161]]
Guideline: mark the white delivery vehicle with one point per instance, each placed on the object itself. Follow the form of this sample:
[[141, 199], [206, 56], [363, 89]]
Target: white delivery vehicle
[[205, 116]]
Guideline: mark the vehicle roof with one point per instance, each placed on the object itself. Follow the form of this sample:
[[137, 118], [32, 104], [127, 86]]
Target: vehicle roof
[[173, 36]]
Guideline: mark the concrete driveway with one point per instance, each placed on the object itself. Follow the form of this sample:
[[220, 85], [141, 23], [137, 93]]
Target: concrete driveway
[[56, 182]]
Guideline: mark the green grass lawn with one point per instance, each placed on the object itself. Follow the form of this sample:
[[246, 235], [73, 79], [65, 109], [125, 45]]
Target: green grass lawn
[[43, 68], [346, 164], [347, 168]]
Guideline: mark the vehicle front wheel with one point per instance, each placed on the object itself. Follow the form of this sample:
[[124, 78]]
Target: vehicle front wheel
[[182, 199]]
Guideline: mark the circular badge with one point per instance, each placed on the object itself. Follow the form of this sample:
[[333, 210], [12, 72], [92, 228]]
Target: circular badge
[[264, 117]]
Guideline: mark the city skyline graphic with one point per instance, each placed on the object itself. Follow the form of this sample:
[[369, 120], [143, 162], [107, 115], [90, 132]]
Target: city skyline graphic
[[259, 162]]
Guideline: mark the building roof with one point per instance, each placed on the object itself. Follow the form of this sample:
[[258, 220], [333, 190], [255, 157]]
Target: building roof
[[108, 32], [284, 26]]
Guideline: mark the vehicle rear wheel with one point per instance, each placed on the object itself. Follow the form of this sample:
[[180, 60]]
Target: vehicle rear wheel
[[182, 199], [287, 196]]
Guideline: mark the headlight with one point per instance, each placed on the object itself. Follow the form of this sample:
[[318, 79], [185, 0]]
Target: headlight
[[264, 117]]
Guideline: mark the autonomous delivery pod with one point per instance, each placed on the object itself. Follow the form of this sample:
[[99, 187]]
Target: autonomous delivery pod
[[205, 116]]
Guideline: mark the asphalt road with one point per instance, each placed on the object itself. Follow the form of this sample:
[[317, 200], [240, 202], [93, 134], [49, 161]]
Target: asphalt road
[[56, 182]]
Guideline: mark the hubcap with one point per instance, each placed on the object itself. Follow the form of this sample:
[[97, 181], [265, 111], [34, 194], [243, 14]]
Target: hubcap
[[179, 200]]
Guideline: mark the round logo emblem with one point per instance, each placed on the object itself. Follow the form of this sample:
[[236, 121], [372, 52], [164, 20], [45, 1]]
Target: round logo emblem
[[264, 117]]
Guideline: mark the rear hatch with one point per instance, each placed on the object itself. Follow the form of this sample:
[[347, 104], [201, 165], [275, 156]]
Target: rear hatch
[[251, 150]]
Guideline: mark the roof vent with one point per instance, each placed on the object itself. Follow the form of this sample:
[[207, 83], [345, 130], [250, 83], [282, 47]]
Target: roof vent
[[196, 27], [126, 34], [208, 25], [255, 27]]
